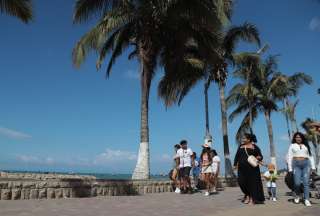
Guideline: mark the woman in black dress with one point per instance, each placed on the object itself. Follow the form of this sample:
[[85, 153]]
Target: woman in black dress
[[249, 177]]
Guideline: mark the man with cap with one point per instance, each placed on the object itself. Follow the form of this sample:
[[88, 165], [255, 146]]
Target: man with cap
[[185, 162]]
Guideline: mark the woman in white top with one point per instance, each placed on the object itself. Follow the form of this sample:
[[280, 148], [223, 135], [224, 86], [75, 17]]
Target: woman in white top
[[300, 161]]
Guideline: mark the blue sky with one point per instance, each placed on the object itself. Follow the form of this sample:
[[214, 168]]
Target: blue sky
[[56, 118]]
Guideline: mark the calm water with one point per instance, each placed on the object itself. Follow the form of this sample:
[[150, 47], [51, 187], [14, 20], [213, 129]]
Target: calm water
[[97, 175]]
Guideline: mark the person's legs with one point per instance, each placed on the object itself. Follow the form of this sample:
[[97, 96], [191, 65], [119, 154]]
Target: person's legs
[[274, 192], [269, 192], [297, 171], [305, 179]]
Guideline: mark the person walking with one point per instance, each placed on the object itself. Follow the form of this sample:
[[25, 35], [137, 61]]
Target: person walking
[[215, 169], [300, 161], [206, 167], [271, 176], [185, 162], [196, 170], [175, 170], [247, 161]]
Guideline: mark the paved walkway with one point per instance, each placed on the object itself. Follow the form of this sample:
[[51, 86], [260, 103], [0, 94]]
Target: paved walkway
[[166, 204]]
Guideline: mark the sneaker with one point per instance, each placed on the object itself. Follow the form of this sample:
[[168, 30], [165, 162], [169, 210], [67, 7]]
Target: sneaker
[[177, 190], [307, 203], [206, 193], [296, 200], [274, 199], [214, 190]]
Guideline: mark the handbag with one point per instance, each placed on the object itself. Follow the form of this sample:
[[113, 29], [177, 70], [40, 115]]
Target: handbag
[[252, 160]]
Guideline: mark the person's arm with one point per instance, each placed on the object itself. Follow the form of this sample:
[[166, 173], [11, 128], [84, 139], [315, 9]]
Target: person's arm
[[313, 166], [192, 158], [236, 159], [290, 158], [266, 176], [259, 155]]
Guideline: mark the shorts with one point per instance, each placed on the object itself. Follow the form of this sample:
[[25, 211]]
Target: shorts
[[184, 172], [207, 169]]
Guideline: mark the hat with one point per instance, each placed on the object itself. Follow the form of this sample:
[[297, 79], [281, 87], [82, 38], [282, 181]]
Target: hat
[[207, 145], [271, 167]]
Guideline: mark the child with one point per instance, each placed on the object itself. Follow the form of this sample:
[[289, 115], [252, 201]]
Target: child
[[271, 177]]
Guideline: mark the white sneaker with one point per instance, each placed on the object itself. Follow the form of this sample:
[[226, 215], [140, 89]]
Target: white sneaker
[[307, 203], [206, 193], [274, 199], [297, 200], [177, 190], [214, 190]]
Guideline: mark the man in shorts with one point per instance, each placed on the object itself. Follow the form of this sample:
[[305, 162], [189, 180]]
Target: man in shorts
[[185, 162]]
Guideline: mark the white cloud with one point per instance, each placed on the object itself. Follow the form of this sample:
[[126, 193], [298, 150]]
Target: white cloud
[[35, 160], [14, 134], [110, 156], [132, 74], [314, 24]]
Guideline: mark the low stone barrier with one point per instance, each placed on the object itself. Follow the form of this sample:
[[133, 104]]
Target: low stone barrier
[[56, 188]]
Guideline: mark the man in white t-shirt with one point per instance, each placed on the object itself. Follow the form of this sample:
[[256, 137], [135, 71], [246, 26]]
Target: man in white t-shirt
[[185, 162]]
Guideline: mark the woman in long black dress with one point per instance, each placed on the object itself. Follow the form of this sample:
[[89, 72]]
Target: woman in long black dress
[[249, 177]]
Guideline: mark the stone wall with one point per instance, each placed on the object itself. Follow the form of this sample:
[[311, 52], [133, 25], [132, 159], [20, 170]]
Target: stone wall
[[13, 187]]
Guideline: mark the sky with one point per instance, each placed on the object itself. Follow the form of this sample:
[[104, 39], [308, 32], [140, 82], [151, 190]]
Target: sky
[[54, 117]]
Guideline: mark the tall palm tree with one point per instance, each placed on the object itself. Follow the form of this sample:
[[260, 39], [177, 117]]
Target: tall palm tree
[[267, 87], [210, 67], [313, 136], [156, 30], [21, 9]]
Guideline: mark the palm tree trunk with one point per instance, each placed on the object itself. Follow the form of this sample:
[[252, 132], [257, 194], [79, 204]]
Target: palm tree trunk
[[287, 119], [224, 124], [206, 87], [142, 169], [250, 99], [270, 133]]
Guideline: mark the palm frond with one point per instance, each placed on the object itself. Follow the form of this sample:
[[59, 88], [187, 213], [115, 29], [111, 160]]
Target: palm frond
[[21, 9], [246, 32], [86, 9]]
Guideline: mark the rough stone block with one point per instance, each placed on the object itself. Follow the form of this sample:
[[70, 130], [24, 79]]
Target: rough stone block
[[16, 194], [25, 194], [29, 185], [43, 193], [3, 185], [93, 192], [59, 193], [100, 191], [51, 193], [34, 194], [5, 194], [66, 192]]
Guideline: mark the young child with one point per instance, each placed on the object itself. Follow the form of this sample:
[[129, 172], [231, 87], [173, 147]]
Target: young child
[[271, 177]]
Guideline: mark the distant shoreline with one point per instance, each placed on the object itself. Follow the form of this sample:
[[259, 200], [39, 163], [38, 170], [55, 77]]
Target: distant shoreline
[[96, 175]]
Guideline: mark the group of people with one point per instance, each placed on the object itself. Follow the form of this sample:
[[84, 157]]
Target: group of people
[[206, 167], [247, 162]]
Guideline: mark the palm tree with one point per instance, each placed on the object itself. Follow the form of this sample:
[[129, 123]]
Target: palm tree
[[313, 136], [155, 29], [267, 86], [294, 83], [21, 9], [209, 67]]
